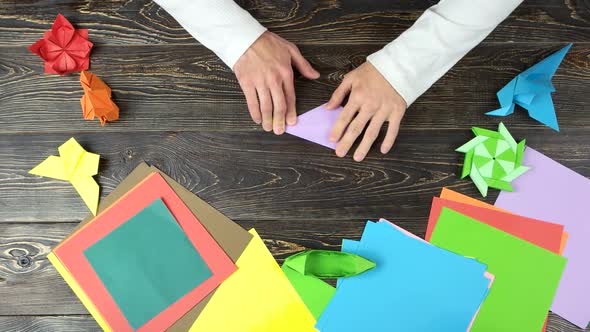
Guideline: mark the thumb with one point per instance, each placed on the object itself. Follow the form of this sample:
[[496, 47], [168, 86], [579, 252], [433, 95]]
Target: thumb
[[302, 65], [339, 94]]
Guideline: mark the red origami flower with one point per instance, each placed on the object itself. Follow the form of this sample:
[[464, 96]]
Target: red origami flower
[[64, 49]]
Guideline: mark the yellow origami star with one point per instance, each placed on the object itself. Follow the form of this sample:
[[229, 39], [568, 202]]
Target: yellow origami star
[[76, 165]]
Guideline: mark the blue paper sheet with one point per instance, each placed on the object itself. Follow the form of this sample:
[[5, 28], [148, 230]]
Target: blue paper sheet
[[532, 90], [415, 287], [348, 246]]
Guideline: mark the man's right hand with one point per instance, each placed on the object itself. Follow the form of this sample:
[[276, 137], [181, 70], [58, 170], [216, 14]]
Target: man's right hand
[[265, 73]]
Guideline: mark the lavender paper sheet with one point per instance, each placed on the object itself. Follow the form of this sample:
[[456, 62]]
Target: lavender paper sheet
[[315, 126], [555, 193]]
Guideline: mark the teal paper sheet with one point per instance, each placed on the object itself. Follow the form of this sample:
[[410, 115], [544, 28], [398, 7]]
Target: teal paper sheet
[[147, 263]]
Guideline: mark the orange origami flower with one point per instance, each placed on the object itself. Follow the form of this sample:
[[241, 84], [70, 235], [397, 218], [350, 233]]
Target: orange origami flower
[[64, 49], [96, 101]]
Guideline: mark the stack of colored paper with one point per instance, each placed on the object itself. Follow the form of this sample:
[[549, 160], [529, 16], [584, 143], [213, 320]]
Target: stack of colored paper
[[521, 239], [415, 286], [485, 269], [157, 258], [522, 253], [551, 191]]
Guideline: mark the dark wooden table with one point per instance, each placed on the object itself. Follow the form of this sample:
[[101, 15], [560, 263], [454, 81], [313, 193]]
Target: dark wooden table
[[182, 111]]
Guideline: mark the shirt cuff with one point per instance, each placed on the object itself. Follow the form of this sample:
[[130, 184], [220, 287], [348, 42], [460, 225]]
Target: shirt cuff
[[250, 31], [392, 72]]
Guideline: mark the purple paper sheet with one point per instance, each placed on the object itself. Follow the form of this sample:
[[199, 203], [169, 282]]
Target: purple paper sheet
[[315, 126], [555, 193]]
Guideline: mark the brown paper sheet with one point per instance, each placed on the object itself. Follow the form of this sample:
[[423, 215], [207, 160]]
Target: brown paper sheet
[[229, 235]]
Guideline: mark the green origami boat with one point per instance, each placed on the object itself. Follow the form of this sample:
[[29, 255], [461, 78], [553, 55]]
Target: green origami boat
[[328, 264]]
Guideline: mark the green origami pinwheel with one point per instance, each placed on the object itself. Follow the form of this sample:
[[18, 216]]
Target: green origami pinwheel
[[493, 159]]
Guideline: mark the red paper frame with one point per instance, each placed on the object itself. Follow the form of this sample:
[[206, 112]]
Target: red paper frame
[[70, 253]]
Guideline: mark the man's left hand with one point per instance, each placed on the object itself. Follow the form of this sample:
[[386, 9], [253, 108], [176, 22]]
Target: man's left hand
[[371, 103]]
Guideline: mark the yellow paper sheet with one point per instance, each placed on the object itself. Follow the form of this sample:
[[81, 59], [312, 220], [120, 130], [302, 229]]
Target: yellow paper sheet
[[65, 274], [258, 297], [76, 165]]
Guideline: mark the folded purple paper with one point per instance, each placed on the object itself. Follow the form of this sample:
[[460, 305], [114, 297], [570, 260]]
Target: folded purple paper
[[315, 125], [553, 192]]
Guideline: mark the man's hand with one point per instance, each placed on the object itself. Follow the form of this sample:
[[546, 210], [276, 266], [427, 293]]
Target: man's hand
[[265, 74], [372, 101]]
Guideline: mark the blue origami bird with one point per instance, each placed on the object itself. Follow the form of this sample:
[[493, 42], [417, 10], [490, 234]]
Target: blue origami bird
[[532, 90]]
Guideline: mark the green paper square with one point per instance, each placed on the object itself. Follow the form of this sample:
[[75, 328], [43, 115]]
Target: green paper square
[[526, 276], [147, 263], [314, 292]]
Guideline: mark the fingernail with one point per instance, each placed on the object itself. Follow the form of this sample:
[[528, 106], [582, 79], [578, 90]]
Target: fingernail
[[292, 122], [279, 130], [358, 157]]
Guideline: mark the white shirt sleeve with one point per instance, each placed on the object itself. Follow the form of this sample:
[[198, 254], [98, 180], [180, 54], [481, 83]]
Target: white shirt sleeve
[[444, 33], [220, 25]]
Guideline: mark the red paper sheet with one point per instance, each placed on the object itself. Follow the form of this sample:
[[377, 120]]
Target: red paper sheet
[[541, 233], [460, 198], [154, 186]]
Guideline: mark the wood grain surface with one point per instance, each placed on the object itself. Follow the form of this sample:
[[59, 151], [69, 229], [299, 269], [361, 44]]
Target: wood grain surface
[[326, 22], [182, 111], [157, 89]]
